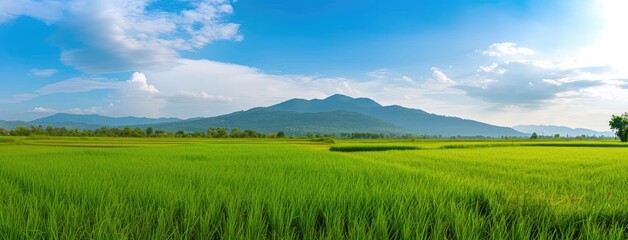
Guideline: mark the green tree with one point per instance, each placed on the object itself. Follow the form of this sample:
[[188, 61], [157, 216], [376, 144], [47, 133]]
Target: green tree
[[21, 131], [236, 133], [138, 132], [222, 133], [534, 136], [557, 135], [180, 133], [281, 134], [619, 124], [37, 130], [149, 131], [127, 132]]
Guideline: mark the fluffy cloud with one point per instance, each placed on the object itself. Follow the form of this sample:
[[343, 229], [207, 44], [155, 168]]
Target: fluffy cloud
[[140, 82], [43, 72], [507, 50], [135, 96], [527, 82], [518, 79], [441, 78], [104, 36]]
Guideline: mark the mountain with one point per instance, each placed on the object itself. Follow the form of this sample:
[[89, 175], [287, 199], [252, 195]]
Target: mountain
[[68, 125], [98, 120], [339, 113], [550, 130], [413, 120], [293, 123], [335, 114], [12, 124]]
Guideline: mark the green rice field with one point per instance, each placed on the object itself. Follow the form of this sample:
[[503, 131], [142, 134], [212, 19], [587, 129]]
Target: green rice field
[[151, 188]]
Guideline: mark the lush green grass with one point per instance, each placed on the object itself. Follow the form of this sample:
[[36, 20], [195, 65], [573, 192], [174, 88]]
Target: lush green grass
[[68, 188]]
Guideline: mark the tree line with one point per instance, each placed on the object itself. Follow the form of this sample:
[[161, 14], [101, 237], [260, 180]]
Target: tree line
[[135, 132]]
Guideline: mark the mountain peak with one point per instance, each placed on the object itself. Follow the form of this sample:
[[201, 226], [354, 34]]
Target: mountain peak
[[413, 120], [350, 102], [339, 96], [331, 103]]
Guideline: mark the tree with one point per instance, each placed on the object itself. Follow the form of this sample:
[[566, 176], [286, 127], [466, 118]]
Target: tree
[[138, 132], [557, 135], [619, 124], [281, 134], [236, 133], [534, 136], [180, 133], [21, 131], [149, 131], [221, 133], [37, 130]]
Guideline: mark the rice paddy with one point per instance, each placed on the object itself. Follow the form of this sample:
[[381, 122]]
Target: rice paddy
[[124, 188]]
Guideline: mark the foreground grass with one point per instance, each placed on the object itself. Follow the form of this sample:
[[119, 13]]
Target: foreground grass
[[70, 188]]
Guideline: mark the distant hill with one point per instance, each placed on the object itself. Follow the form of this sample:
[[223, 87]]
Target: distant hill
[[293, 123], [98, 120], [339, 113], [68, 125], [413, 120], [550, 130], [12, 124]]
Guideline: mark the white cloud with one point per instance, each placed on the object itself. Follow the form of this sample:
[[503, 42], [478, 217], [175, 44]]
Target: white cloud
[[441, 78], [507, 50], [139, 80], [493, 68], [131, 97], [407, 78], [529, 83], [44, 72], [43, 110], [106, 36]]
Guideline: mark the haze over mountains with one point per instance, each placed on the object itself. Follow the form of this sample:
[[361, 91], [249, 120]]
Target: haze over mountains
[[549, 130], [335, 114], [94, 119]]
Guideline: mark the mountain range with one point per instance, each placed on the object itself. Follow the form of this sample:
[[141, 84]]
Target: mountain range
[[334, 114], [94, 119], [549, 130]]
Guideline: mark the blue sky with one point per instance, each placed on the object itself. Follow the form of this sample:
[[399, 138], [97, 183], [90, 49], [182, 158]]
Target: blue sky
[[501, 62]]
